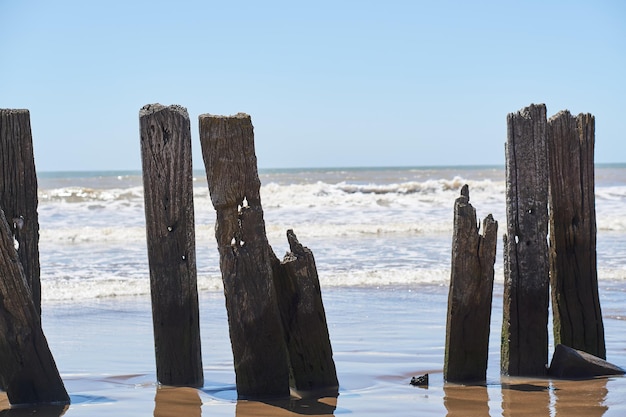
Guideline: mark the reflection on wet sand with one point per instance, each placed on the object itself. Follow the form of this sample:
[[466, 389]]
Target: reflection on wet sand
[[525, 398], [40, 411], [305, 406], [466, 400], [177, 401], [181, 401], [584, 398], [529, 397]]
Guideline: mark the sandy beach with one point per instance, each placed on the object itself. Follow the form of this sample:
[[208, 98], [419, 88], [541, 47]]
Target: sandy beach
[[381, 338]]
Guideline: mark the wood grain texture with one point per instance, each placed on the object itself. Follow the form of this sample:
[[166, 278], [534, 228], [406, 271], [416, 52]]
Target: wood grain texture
[[277, 321], [304, 320], [246, 259], [470, 294], [18, 192], [573, 262], [526, 280], [170, 229], [28, 372]]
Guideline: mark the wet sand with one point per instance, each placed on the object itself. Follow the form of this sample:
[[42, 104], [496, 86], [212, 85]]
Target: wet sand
[[380, 337]]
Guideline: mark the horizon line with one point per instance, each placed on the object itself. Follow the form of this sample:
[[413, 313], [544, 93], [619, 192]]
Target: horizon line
[[312, 168]]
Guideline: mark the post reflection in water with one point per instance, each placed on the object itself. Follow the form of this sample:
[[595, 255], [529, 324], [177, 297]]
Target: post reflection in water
[[39, 411], [177, 401], [288, 407], [525, 397], [466, 400], [584, 398]]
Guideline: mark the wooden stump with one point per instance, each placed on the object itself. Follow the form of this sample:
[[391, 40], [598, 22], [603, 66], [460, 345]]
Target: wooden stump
[[304, 320], [28, 372], [18, 192], [573, 266], [168, 194], [471, 291], [246, 259], [526, 281]]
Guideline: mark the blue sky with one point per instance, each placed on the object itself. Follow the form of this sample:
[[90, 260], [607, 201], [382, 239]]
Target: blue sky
[[327, 83]]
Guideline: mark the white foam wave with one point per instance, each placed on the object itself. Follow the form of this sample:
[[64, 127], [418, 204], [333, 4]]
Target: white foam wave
[[108, 235], [341, 194], [205, 233], [85, 194], [67, 289], [411, 187], [74, 289], [120, 287]]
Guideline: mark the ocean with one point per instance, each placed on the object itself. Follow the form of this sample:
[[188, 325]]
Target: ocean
[[381, 238], [367, 227]]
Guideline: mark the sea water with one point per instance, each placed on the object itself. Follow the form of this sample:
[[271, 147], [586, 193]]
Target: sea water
[[382, 244], [367, 227]]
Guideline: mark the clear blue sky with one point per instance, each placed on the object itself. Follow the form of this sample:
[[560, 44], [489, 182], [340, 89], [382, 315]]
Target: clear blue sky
[[327, 83]]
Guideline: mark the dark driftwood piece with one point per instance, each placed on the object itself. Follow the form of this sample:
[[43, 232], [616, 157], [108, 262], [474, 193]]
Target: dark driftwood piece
[[28, 372], [571, 363], [526, 281], [304, 320], [18, 192], [246, 258], [573, 265], [471, 291], [168, 194]]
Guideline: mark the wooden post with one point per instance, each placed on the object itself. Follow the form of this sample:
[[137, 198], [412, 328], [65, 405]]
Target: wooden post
[[246, 259], [168, 194], [526, 281], [304, 320], [18, 192], [28, 372], [573, 271], [471, 291]]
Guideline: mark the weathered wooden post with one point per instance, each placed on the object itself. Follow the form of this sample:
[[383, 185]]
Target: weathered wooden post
[[246, 259], [18, 192], [28, 372], [304, 320], [526, 280], [168, 193], [573, 270], [276, 316], [471, 291]]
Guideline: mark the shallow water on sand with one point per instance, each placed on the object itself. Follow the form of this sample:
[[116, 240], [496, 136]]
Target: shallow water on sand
[[380, 337]]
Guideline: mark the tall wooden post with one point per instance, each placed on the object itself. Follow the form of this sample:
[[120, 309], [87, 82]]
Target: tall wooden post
[[168, 194], [28, 372], [18, 192], [526, 281], [246, 259], [573, 271], [471, 291]]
